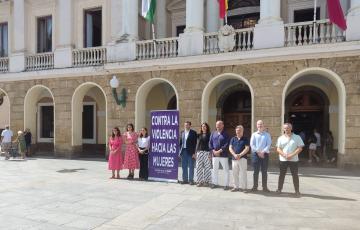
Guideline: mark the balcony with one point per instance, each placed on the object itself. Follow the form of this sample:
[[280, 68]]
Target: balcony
[[301, 34], [295, 35], [41, 61], [158, 48], [89, 57], [243, 41], [4, 64]]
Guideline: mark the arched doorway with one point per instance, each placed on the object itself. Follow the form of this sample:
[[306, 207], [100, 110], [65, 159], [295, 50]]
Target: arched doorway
[[89, 120], [39, 114], [154, 94], [316, 98], [307, 108], [234, 108], [4, 110], [228, 97]]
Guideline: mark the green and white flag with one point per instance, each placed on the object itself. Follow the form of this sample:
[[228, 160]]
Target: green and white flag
[[148, 9]]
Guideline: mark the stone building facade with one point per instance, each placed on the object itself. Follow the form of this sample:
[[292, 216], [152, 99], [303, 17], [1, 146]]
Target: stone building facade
[[311, 85]]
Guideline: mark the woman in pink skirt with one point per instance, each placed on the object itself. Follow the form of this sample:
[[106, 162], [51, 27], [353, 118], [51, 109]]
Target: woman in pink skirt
[[131, 161], [115, 156]]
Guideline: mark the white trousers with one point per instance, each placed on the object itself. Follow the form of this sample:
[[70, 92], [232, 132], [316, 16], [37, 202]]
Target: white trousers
[[224, 161], [240, 167]]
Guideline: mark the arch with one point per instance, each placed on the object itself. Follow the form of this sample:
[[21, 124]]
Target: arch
[[141, 95], [210, 87], [341, 91], [32, 98], [76, 111], [4, 104]]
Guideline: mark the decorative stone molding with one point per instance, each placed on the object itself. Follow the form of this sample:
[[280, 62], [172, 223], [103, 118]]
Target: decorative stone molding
[[226, 38]]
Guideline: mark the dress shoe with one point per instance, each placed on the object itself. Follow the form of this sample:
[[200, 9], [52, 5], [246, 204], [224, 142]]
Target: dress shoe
[[266, 190], [254, 189], [297, 194]]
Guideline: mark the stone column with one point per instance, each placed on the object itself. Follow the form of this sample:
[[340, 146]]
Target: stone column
[[64, 23], [353, 19], [17, 58], [124, 30], [191, 42], [269, 32], [195, 15], [212, 16], [130, 19], [160, 19]]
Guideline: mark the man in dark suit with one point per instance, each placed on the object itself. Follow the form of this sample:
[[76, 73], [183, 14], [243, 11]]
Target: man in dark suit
[[188, 140]]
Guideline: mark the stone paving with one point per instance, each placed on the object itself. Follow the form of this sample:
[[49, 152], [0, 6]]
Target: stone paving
[[56, 194]]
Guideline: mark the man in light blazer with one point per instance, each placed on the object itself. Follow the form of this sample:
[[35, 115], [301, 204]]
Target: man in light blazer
[[188, 140]]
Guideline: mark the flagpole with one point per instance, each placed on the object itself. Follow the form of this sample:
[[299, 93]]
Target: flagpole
[[153, 35], [314, 23], [153, 31]]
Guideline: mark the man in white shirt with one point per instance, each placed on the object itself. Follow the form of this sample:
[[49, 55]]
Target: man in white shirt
[[6, 136], [260, 143], [289, 145]]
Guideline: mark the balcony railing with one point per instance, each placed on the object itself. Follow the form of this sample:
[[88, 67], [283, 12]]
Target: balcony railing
[[89, 56], [159, 48], [299, 34], [243, 41], [4, 64], [39, 61]]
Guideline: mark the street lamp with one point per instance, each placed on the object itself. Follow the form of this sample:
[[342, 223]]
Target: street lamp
[[120, 99]]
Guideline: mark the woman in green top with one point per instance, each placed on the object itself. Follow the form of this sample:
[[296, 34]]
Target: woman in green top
[[20, 140]]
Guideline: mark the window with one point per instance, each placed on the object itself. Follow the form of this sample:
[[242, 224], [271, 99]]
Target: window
[[3, 40], [244, 21], [93, 28], [306, 15], [180, 30], [44, 35]]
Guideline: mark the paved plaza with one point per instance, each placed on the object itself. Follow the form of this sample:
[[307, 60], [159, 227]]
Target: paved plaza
[[56, 194]]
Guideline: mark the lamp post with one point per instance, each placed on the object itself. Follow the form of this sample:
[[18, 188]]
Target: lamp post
[[120, 99]]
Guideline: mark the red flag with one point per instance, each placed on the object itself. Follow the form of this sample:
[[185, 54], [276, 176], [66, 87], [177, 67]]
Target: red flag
[[336, 15], [223, 6]]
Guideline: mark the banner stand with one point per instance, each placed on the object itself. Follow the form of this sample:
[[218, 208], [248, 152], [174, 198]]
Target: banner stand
[[164, 146]]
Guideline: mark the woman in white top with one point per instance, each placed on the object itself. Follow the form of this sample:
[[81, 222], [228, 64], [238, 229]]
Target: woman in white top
[[143, 148]]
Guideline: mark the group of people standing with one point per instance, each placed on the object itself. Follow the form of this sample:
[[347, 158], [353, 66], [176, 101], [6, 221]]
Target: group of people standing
[[21, 144], [317, 146], [136, 152], [209, 150]]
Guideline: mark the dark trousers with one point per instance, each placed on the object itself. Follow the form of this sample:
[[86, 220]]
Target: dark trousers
[[144, 170], [294, 172], [187, 164], [260, 163]]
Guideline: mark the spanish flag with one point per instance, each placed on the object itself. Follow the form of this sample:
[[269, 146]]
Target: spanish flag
[[223, 8]]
